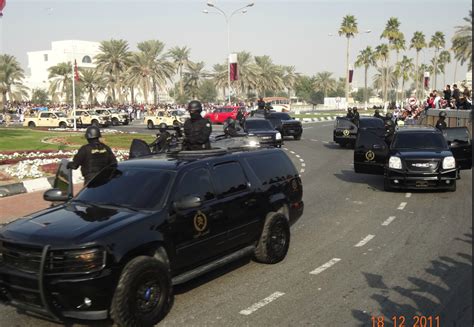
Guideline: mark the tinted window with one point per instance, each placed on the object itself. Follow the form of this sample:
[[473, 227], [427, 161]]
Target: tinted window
[[258, 125], [229, 178], [456, 135], [344, 123], [375, 123], [113, 111], [138, 188], [274, 121], [45, 115], [272, 167], [195, 182], [419, 141], [61, 114], [281, 117]]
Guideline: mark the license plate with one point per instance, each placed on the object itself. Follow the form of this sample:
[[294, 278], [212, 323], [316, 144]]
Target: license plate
[[421, 183]]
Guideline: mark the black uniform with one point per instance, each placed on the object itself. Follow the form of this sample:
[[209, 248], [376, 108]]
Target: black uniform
[[441, 124], [92, 157], [162, 141], [196, 133], [240, 117]]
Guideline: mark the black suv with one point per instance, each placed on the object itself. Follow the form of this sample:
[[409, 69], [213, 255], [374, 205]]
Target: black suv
[[286, 125], [136, 229], [264, 130], [418, 157], [345, 130]]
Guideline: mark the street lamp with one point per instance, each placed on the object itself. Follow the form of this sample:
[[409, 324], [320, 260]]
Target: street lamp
[[228, 20]]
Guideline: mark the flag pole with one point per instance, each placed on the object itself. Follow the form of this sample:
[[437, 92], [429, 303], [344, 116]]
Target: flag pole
[[74, 95]]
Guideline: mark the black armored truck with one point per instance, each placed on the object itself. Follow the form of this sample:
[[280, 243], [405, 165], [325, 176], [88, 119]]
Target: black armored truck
[[116, 249]]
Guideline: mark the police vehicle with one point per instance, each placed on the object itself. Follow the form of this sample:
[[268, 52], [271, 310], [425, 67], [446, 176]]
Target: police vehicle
[[418, 157], [116, 249], [264, 130], [345, 130], [286, 125]]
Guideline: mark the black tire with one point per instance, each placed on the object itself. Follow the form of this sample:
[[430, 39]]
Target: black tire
[[150, 125], [95, 123], [297, 137], [386, 185], [142, 274], [453, 187], [62, 125], [125, 122], [115, 121], [274, 241], [31, 124]]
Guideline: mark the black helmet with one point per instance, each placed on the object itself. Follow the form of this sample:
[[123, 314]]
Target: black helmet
[[442, 114], [194, 106], [355, 108], [261, 104], [389, 122], [162, 127], [92, 132], [377, 111], [349, 109]]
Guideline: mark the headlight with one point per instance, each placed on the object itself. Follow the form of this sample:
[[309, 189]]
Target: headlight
[[253, 143], [449, 163], [77, 261], [278, 136], [395, 163]]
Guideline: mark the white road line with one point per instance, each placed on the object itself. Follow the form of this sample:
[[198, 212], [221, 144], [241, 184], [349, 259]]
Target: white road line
[[364, 241], [325, 142], [327, 125], [261, 304], [325, 266], [292, 152], [297, 156], [302, 160], [408, 195], [303, 165], [307, 127], [402, 206], [314, 140], [388, 221]]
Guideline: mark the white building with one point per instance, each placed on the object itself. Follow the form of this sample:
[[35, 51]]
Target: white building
[[61, 51]]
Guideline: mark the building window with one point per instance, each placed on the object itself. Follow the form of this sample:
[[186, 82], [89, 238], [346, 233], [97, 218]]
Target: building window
[[87, 60], [45, 56]]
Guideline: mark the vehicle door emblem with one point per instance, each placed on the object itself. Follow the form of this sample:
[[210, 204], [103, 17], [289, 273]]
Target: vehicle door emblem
[[200, 221], [345, 132], [370, 155], [294, 184]]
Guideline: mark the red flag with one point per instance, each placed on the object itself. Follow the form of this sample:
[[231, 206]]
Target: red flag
[[351, 73], [234, 72], [2, 5], [76, 71]]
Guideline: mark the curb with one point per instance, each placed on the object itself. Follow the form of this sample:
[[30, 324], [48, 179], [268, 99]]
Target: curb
[[312, 120]]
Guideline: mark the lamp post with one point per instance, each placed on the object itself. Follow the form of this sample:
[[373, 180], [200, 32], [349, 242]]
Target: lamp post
[[228, 20]]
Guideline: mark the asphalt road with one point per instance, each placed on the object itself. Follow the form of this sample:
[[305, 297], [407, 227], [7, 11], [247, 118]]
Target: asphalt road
[[358, 253]]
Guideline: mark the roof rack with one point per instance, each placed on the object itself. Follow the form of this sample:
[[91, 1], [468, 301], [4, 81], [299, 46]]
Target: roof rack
[[199, 154]]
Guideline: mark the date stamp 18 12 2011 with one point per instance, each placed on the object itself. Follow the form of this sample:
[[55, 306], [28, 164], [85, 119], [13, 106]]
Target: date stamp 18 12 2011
[[403, 321]]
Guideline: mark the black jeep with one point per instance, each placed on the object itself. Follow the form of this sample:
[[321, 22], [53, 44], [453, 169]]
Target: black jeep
[[346, 130], [286, 125], [116, 249], [264, 130], [418, 157]]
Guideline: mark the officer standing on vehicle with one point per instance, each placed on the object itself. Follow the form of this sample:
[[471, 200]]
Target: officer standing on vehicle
[[92, 157], [377, 114], [349, 114], [240, 117], [356, 117], [162, 141], [441, 123], [196, 129]]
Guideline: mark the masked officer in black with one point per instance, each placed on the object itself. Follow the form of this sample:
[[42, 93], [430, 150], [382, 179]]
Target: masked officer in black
[[356, 118], [162, 141], [196, 129], [377, 114], [349, 114], [92, 157], [441, 123]]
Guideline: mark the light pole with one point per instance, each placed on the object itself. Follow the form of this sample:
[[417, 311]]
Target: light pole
[[227, 20]]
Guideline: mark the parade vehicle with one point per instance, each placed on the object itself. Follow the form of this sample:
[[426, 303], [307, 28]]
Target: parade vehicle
[[49, 119], [116, 249], [345, 130], [419, 157], [220, 115], [165, 119], [86, 118], [286, 125], [264, 130], [116, 117]]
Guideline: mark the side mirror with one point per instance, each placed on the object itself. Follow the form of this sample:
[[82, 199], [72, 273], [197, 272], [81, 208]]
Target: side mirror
[[55, 195], [187, 202]]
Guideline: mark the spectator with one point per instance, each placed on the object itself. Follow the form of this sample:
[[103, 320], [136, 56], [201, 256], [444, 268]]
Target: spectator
[[447, 93], [456, 93], [437, 99]]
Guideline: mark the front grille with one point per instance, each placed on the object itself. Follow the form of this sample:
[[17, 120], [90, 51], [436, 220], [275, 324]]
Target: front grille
[[265, 138], [21, 257], [421, 165]]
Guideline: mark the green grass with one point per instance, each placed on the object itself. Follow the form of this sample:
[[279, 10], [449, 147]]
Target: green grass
[[24, 139]]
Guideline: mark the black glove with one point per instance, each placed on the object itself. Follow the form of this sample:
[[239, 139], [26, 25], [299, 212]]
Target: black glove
[[70, 165]]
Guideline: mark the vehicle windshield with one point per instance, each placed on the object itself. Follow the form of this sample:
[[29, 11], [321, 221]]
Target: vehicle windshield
[[344, 123], [419, 141], [60, 114], [460, 135], [258, 125], [113, 111], [371, 123], [136, 188], [281, 117]]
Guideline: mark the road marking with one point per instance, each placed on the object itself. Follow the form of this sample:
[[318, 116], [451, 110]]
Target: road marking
[[364, 241], [408, 195], [388, 221], [325, 142], [292, 152], [261, 304], [302, 160], [327, 125], [402, 206], [302, 170], [303, 165], [307, 127], [297, 156], [325, 266], [314, 140]]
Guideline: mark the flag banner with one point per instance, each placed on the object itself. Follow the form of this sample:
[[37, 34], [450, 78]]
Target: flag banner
[[76, 71], [351, 73], [2, 6], [427, 80], [233, 67]]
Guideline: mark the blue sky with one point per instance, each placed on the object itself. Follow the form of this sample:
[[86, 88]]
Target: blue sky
[[291, 32]]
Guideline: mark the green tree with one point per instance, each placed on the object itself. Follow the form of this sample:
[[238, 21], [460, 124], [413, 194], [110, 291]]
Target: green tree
[[11, 76], [207, 91], [93, 83], [381, 54], [324, 82], [405, 69], [60, 77], [270, 76], [248, 73], [348, 29], [193, 78], [418, 43], [289, 78], [437, 42], [362, 94], [39, 96], [366, 59], [379, 79], [398, 45], [180, 56], [114, 59], [219, 76], [462, 44], [392, 34], [444, 59]]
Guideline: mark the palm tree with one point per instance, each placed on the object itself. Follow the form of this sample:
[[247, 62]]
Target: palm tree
[[444, 59], [418, 43], [348, 29], [404, 69], [391, 33], [462, 44], [437, 42], [61, 81], [248, 72], [381, 54], [324, 82], [140, 72], [180, 57], [289, 78], [193, 77], [114, 59], [366, 59], [398, 45], [93, 82], [380, 79], [11, 76], [220, 76], [270, 76]]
